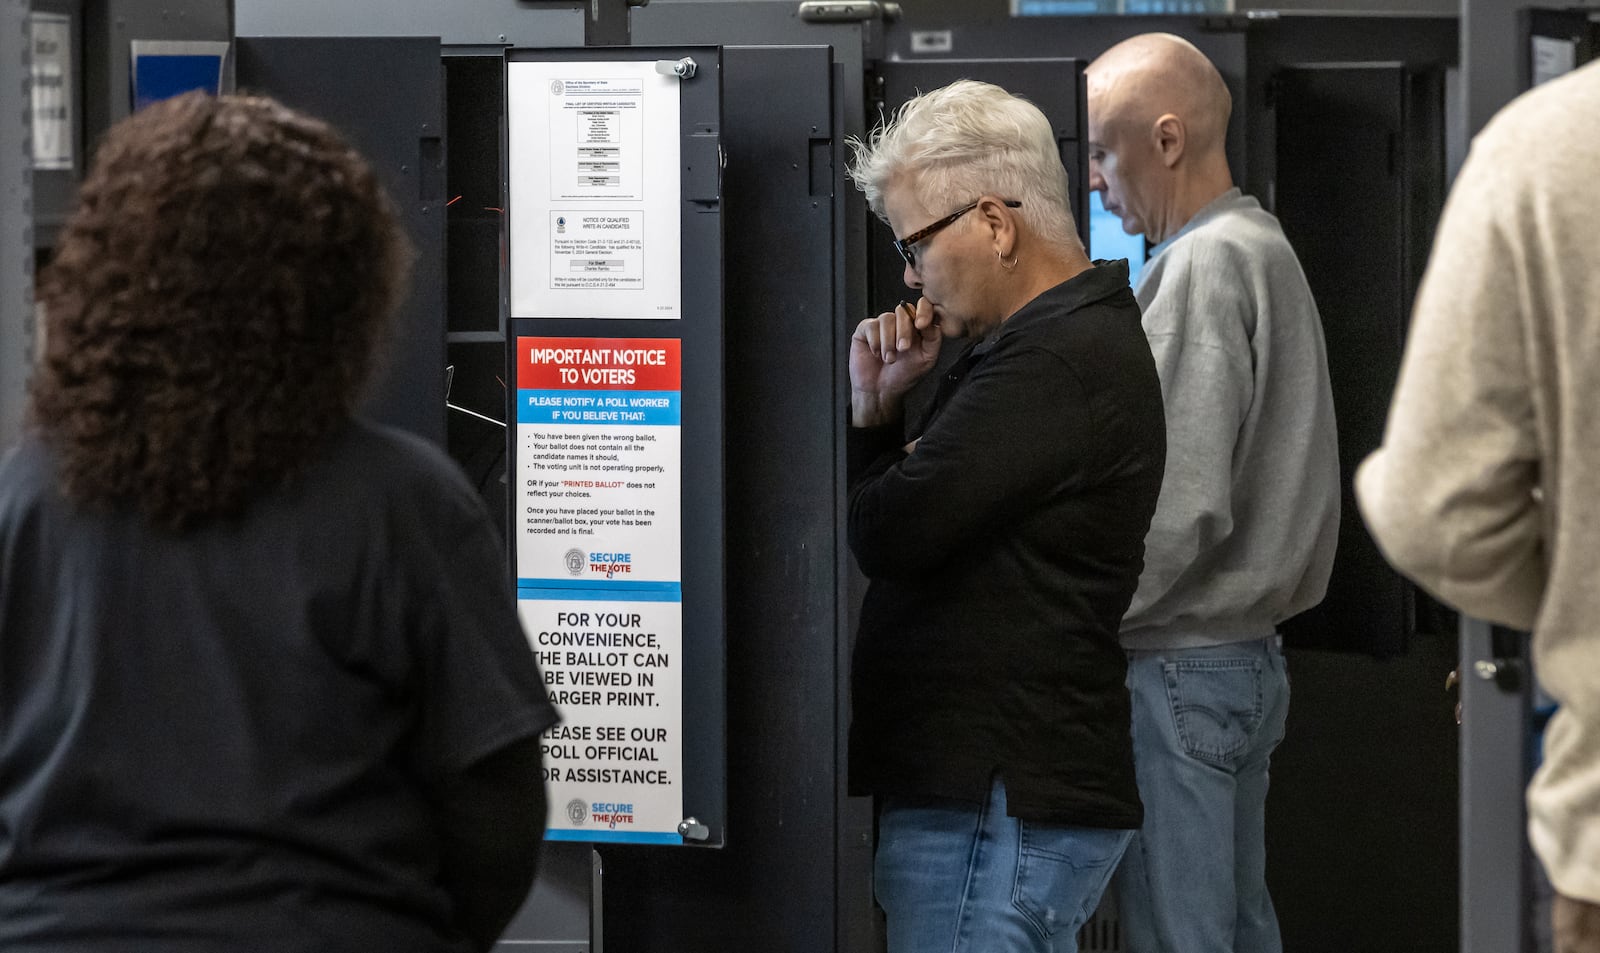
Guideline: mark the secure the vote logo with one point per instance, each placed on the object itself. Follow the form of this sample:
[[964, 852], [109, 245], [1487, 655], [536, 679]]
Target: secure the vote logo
[[610, 565], [612, 813]]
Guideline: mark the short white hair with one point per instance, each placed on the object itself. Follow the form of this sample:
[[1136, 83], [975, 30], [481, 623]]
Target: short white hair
[[964, 140]]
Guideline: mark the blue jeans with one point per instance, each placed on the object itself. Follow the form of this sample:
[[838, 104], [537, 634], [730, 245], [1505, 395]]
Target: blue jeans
[[1205, 723], [959, 877]]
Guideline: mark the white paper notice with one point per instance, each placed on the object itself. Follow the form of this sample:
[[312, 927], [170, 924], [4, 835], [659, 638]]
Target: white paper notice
[[596, 250], [595, 194], [614, 766], [599, 577], [53, 117], [1552, 58]]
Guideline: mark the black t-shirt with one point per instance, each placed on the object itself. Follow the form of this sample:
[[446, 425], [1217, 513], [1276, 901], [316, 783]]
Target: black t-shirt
[[229, 739], [1002, 554]]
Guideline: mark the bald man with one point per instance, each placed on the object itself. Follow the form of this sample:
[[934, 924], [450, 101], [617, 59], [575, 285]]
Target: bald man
[[1244, 532]]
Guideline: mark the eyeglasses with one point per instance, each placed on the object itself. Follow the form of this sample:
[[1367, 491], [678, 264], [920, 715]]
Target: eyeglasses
[[903, 245]]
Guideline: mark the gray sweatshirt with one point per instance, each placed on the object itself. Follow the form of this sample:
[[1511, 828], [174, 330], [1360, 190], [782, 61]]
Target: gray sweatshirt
[[1245, 530]]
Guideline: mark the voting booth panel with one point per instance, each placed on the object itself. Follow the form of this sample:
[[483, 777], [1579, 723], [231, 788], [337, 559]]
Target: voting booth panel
[[386, 96]]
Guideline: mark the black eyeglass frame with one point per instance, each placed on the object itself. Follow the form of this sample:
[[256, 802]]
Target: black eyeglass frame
[[903, 245]]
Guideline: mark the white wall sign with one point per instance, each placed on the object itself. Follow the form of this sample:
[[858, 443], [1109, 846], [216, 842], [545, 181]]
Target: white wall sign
[[594, 191], [1552, 58], [599, 580], [53, 113]]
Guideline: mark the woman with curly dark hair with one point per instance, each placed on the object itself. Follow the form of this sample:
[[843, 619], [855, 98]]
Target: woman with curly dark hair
[[262, 682], [213, 307]]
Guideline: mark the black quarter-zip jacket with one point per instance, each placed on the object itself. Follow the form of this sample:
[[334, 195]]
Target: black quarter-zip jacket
[[1002, 554]]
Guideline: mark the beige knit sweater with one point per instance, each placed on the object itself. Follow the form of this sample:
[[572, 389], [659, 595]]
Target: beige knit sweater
[[1486, 490]]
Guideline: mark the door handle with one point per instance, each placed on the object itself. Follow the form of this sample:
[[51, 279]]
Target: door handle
[[1505, 673]]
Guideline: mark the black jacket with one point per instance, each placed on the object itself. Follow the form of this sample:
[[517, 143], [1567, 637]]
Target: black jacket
[[1002, 554]]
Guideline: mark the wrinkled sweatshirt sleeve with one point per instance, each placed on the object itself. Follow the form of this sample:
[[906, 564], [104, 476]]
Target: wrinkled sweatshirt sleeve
[[1449, 495], [1199, 336]]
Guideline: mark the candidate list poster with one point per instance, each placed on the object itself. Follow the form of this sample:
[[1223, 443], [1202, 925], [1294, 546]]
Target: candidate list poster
[[595, 190], [599, 577]]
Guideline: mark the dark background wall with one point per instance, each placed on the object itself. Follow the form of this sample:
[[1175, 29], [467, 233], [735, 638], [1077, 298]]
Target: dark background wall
[[16, 199], [1490, 55]]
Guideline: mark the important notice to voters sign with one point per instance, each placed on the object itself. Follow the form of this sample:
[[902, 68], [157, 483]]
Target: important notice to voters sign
[[599, 577]]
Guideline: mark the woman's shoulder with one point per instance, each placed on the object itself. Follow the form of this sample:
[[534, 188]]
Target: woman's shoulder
[[395, 465], [27, 474]]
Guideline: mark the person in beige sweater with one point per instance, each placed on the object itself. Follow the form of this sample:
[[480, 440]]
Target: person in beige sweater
[[1486, 489]]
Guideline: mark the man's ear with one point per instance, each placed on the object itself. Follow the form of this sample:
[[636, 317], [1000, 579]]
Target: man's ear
[[1169, 137]]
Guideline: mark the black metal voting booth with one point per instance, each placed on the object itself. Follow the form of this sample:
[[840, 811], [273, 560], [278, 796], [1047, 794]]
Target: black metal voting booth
[[386, 95]]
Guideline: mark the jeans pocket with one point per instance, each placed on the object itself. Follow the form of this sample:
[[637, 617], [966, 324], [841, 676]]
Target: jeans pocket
[[1216, 705], [1062, 871]]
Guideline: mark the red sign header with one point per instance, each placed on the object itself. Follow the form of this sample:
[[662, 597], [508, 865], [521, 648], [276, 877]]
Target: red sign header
[[599, 364]]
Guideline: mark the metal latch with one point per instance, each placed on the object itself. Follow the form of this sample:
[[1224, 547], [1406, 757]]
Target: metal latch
[[847, 11], [683, 69]]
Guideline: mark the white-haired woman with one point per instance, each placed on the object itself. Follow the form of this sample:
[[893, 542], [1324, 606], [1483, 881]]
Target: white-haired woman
[[1003, 541]]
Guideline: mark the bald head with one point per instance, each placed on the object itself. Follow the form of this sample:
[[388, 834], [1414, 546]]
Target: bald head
[[1143, 78], [1158, 124]]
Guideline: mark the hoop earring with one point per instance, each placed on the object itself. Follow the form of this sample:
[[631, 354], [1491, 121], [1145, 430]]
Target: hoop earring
[[1002, 260]]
